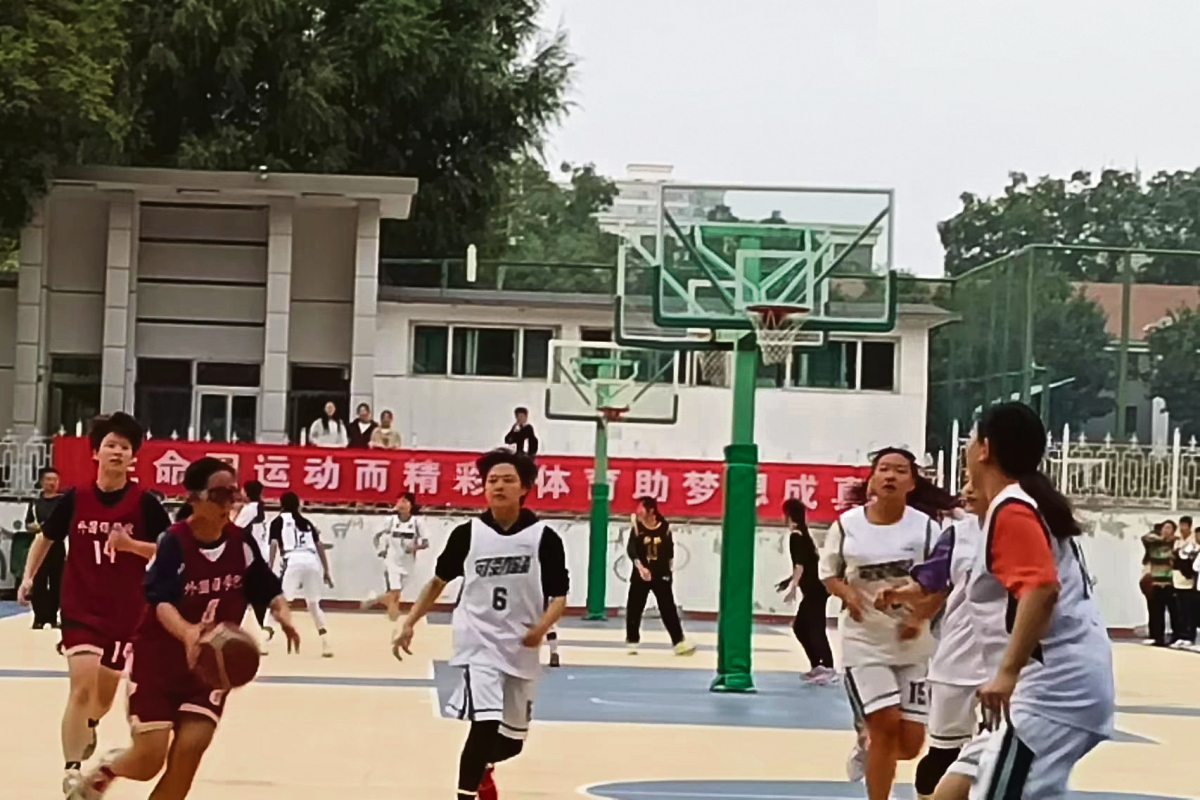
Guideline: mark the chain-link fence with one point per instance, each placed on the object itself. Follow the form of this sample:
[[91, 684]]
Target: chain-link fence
[[1106, 340]]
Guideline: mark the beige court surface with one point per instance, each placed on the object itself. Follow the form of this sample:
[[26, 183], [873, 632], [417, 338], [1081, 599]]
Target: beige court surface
[[361, 726]]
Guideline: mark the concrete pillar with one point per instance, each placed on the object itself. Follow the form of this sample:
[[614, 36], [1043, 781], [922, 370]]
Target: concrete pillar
[[366, 295], [131, 328], [28, 384], [117, 280], [272, 402]]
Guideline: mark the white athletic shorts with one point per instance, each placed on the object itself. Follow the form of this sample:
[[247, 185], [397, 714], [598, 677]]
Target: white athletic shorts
[[952, 718], [488, 695], [1030, 758], [394, 578], [874, 687], [302, 580]]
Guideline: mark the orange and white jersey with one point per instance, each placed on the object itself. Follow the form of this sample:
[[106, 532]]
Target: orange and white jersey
[[1069, 679]]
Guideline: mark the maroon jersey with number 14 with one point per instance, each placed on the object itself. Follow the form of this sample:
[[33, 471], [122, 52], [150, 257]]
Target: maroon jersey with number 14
[[213, 591], [101, 588]]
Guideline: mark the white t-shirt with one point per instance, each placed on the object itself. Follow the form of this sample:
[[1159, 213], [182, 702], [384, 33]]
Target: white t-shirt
[[958, 659], [870, 557], [399, 542]]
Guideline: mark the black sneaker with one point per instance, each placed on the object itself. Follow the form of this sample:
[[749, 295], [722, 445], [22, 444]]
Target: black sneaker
[[554, 662]]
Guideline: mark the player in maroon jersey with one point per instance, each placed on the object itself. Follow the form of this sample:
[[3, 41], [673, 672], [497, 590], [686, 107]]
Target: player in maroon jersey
[[110, 527], [206, 571]]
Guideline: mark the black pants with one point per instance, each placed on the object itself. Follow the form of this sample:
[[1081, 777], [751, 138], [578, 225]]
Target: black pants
[[47, 586], [810, 629], [639, 590], [1162, 603], [1187, 602]]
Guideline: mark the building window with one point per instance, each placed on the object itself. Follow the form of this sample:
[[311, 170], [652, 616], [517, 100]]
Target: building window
[[164, 396], [490, 352], [1131, 420], [878, 366], [487, 352], [216, 373], [310, 389], [865, 365], [430, 349], [74, 392]]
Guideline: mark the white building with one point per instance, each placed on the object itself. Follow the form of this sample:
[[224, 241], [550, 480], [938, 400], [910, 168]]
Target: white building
[[228, 305]]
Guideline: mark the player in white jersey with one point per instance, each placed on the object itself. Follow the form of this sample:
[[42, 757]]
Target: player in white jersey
[[956, 670], [885, 653], [305, 565], [252, 518], [510, 563], [1050, 696], [398, 544]]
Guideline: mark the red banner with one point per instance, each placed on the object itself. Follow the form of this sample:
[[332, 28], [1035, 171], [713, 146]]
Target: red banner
[[448, 479]]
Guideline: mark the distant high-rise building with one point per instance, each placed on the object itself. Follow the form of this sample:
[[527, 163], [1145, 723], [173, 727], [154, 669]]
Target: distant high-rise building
[[636, 204]]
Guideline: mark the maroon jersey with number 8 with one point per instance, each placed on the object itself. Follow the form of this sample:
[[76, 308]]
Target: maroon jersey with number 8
[[101, 588], [213, 592]]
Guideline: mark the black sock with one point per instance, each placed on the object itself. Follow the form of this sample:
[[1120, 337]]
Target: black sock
[[320, 631], [73, 765], [92, 723], [932, 767]]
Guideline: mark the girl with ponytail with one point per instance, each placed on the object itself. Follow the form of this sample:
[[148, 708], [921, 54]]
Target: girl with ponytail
[[1050, 698]]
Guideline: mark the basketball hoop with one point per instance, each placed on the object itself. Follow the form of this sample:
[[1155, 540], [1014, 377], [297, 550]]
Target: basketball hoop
[[613, 413], [777, 327], [711, 364]]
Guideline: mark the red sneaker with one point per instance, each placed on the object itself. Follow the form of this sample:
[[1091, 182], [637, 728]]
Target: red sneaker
[[487, 786]]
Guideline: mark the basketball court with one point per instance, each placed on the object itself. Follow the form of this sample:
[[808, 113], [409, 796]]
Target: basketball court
[[363, 726]]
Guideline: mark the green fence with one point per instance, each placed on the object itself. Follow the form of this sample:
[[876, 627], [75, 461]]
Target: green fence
[[1089, 335]]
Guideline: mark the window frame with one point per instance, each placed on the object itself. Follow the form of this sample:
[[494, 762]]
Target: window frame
[[451, 327]]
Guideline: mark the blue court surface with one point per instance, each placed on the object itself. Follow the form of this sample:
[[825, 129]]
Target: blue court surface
[[780, 790]]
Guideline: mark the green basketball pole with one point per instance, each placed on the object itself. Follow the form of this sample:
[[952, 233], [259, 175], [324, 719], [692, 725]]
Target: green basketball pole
[[598, 529]]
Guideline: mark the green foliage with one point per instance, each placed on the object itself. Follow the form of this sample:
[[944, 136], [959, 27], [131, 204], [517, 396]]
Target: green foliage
[[1175, 368], [1116, 210], [447, 91], [9, 253], [57, 65]]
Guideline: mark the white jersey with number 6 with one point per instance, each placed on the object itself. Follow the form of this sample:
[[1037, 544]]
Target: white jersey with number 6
[[501, 598]]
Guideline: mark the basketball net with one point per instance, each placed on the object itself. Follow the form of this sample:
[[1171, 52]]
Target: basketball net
[[711, 364], [777, 328]]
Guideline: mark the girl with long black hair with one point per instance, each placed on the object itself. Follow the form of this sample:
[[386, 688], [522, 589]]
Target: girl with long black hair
[[1050, 699], [809, 625], [885, 652], [652, 553]]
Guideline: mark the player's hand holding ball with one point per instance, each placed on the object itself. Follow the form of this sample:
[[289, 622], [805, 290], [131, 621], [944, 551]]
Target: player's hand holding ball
[[191, 643]]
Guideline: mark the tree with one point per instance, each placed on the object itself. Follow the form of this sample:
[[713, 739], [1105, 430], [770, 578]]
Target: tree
[[1116, 211], [1175, 368], [447, 91], [57, 64]]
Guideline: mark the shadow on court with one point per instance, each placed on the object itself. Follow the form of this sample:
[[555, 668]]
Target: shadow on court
[[781, 790]]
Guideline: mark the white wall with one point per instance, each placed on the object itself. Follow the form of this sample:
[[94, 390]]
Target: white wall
[[1111, 546], [323, 250], [811, 425], [77, 253]]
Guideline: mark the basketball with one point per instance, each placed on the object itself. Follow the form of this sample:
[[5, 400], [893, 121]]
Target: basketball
[[228, 657]]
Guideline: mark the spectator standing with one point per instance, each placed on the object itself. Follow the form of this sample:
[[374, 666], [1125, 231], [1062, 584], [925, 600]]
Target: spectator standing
[[327, 430], [385, 437], [810, 623], [362, 428], [521, 436], [1157, 583], [47, 583], [1183, 577]]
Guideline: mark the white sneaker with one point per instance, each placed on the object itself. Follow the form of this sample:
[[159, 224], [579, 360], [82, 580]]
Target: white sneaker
[[631, 648], [856, 764], [685, 648], [72, 778], [326, 650]]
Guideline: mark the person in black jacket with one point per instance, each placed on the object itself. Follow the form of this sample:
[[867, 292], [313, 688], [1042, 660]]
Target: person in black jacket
[[810, 623], [521, 436], [47, 583], [652, 552]]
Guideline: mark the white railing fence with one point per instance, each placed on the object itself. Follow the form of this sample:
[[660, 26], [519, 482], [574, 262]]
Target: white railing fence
[[1110, 473], [21, 457]]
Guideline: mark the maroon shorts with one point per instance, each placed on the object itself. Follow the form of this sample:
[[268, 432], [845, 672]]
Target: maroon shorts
[[159, 694], [113, 654]]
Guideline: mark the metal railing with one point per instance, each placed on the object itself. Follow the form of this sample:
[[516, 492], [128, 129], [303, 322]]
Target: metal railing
[[1111, 473], [21, 457]]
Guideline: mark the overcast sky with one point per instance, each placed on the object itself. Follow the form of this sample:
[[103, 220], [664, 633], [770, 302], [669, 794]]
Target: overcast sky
[[929, 97]]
